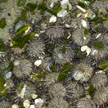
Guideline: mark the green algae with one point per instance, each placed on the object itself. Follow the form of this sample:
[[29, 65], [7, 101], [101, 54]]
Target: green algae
[[3, 23]]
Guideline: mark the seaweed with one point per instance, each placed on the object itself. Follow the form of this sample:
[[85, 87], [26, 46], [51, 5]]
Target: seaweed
[[98, 45], [3, 23], [103, 65], [64, 72], [21, 3], [2, 46]]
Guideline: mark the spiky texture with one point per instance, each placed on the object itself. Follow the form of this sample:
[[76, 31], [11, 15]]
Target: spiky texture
[[36, 48], [99, 80], [80, 38], [24, 68], [57, 90], [61, 57], [85, 103], [82, 72], [101, 96], [58, 103]]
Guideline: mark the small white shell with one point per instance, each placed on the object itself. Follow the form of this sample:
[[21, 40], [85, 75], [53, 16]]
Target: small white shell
[[38, 63], [52, 5], [83, 10], [32, 106], [16, 62], [15, 106], [26, 103], [98, 35], [87, 49], [62, 13], [84, 23], [39, 102], [8, 75], [65, 3], [36, 35], [34, 96], [53, 19]]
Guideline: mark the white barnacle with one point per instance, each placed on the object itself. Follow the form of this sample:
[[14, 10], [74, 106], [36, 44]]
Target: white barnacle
[[78, 75]]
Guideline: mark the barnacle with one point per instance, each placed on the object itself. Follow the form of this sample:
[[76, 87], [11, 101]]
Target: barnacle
[[57, 90], [74, 90], [82, 72], [101, 96], [9, 84], [80, 38], [85, 103], [17, 50], [58, 103], [51, 78], [55, 32], [36, 48], [46, 63], [26, 90], [4, 104], [98, 54], [99, 80], [23, 68], [104, 38], [105, 24], [61, 57], [102, 5]]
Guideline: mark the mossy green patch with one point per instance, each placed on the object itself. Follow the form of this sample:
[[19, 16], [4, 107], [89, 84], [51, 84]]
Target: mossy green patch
[[3, 23], [3, 89], [31, 7], [98, 45], [21, 3], [20, 41], [63, 49], [103, 65], [2, 46], [83, 5], [2, 82], [3, 1], [53, 68], [23, 15], [22, 30], [86, 32], [64, 72], [6, 69], [43, 7], [91, 90]]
